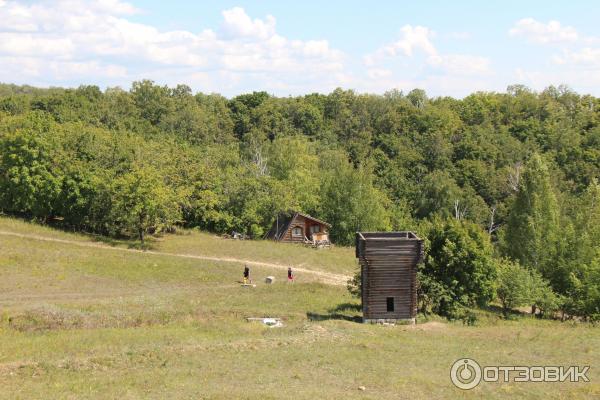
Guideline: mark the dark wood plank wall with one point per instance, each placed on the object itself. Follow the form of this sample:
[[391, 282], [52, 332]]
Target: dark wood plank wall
[[389, 269], [297, 221], [305, 224]]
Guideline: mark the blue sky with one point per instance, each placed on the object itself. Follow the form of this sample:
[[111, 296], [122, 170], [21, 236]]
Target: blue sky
[[289, 48]]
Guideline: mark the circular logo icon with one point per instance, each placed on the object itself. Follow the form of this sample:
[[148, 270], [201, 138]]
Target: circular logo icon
[[465, 373]]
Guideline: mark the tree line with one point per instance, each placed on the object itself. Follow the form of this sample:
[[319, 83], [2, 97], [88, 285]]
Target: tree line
[[503, 186]]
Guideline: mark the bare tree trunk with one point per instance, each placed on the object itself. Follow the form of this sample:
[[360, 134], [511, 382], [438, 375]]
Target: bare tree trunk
[[514, 177], [458, 212], [141, 216], [260, 161], [491, 227]]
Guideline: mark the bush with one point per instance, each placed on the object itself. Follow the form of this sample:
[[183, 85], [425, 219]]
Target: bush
[[459, 271], [517, 287], [514, 286], [432, 296], [543, 297], [354, 285]]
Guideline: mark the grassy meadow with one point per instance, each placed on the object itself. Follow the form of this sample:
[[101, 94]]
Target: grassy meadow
[[90, 322]]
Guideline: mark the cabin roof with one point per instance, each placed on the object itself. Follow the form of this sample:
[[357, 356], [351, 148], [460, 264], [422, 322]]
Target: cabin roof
[[312, 218], [283, 227]]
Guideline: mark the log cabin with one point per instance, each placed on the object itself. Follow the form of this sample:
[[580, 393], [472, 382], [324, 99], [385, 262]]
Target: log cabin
[[388, 262], [296, 227]]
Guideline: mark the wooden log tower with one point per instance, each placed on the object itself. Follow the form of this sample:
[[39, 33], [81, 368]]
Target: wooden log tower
[[388, 263]]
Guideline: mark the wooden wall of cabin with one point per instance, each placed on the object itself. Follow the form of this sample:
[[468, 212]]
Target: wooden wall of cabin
[[305, 224], [298, 221]]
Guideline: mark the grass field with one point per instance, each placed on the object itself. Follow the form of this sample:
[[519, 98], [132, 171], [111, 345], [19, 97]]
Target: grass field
[[85, 321]]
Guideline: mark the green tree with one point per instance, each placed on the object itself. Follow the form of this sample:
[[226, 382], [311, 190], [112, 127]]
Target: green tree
[[459, 261], [518, 286], [293, 161], [142, 203], [350, 202], [30, 182], [153, 101], [532, 230], [581, 264], [543, 298], [514, 285]]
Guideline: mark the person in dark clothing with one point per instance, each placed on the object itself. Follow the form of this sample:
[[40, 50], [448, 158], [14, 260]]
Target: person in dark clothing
[[290, 275], [247, 275]]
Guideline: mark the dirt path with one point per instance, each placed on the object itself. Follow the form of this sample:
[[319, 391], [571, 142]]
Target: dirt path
[[325, 277]]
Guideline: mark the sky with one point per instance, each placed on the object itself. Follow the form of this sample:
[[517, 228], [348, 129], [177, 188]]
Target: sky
[[447, 48]]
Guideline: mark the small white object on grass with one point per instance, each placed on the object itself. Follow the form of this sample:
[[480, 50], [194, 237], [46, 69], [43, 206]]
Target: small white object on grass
[[270, 279], [270, 322]]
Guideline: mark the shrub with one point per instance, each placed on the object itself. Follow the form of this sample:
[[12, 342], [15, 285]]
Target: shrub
[[459, 270]]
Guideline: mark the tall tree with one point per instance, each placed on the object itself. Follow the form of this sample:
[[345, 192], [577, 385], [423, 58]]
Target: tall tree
[[581, 267], [142, 202], [532, 230], [350, 202]]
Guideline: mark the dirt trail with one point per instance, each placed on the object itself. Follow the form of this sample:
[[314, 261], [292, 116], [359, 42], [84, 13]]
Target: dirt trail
[[325, 277]]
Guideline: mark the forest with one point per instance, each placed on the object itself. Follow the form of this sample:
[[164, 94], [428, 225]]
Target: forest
[[502, 186]]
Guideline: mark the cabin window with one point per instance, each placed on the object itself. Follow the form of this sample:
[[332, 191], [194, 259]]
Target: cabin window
[[297, 231], [315, 229], [390, 304]]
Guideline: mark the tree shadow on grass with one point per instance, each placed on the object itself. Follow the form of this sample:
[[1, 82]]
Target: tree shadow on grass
[[347, 307], [118, 240], [498, 311], [115, 241], [341, 312]]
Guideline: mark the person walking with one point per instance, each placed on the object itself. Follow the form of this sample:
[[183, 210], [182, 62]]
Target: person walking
[[247, 275], [290, 275]]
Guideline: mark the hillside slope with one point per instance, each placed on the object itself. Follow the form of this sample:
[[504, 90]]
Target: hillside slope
[[85, 321]]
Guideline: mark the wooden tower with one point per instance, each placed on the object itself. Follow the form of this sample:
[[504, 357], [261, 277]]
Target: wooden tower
[[388, 263]]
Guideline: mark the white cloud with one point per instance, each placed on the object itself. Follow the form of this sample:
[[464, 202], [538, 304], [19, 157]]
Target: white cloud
[[378, 73], [419, 39], [538, 32], [581, 80], [69, 42], [461, 64], [113, 6], [575, 61], [433, 84], [415, 61], [92, 41], [412, 39], [585, 56], [65, 70], [238, 24]]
